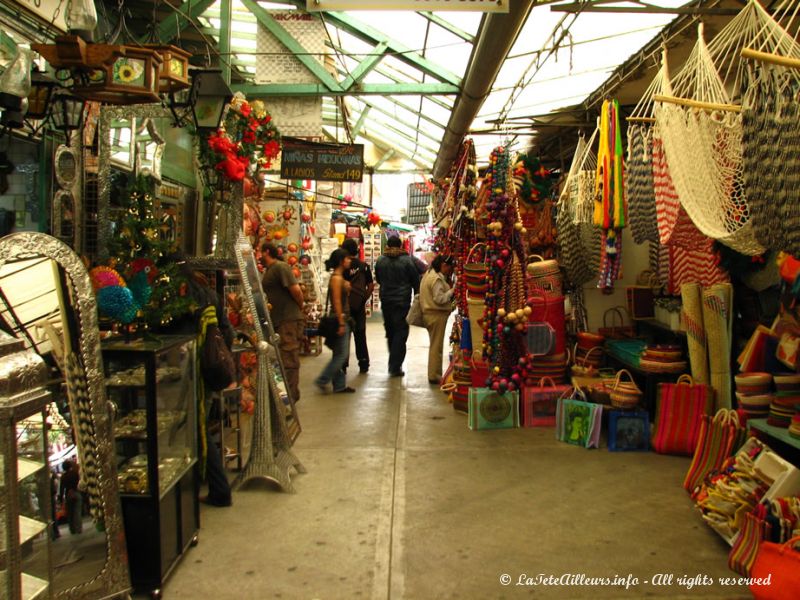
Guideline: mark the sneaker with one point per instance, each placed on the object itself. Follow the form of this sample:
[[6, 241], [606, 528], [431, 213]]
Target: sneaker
[[396, 373], [364, 369]]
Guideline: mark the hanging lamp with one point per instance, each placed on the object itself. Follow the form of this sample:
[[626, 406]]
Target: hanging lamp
[[15, 85]]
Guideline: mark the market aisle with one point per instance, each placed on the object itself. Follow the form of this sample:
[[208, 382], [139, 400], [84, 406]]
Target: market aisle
[[401, 500]]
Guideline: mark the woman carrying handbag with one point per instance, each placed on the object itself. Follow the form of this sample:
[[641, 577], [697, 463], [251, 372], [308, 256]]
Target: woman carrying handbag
[[333, 372], [436, 301]]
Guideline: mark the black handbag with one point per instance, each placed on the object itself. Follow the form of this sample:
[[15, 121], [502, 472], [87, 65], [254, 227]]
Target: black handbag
[[217, 364], [328, 327]]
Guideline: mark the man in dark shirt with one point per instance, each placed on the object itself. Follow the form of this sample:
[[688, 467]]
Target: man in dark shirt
[[286, 297], [397, 277], [70, 496], [360, 277]]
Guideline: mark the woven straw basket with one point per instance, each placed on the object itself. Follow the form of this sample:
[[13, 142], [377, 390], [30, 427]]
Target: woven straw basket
[[624, 394]]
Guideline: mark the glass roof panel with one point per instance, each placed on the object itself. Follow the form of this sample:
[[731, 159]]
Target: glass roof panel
[[534, 80]]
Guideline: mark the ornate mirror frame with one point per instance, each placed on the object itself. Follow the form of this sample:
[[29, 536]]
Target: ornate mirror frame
[[86, 374], [107, 115], [153, 166]]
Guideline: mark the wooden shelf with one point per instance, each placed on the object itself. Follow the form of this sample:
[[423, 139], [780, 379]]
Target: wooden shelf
[[28, 529], [780, 433], [662, 326]]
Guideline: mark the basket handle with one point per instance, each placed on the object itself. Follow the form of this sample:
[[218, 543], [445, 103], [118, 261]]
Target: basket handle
[[448, 387], [618, 379], [539, 257], [585, 356], [614, 311], [685, 378], [471, 250], [548, 378]]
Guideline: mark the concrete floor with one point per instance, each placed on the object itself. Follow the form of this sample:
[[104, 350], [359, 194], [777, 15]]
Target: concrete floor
[[402, 500]]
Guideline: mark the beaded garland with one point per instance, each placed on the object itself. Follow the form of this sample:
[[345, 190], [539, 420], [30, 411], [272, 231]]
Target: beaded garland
[[507, 307]]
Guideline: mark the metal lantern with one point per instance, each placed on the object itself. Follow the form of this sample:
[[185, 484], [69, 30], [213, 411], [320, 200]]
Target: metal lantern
[[42, 87], [67, 112], [212, 97]]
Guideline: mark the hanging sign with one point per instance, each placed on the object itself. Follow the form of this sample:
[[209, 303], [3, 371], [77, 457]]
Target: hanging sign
[[321, 162], [500, 6]]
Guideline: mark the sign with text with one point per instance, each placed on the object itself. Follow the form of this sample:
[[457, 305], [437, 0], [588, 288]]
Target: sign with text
[[321, 162], [500, 6]]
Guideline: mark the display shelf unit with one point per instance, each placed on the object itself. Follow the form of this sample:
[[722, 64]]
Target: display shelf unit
[[778, 438], [151, 383], [25, 563]]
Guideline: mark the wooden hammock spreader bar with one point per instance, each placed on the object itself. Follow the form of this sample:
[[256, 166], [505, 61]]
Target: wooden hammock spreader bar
[[775, 59], [697, 104], [640, 119]]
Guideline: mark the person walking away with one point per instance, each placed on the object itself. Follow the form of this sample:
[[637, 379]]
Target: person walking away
[[397, 277], [436, 301], [70, 496], [361, 285], [333, 373], [286, 299]]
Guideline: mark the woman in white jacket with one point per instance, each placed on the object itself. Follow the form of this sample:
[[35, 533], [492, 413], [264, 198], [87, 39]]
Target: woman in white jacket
[[436, 296]]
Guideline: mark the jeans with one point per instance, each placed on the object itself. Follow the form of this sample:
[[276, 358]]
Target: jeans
[[394, 322], [333, 373], [360, 337]]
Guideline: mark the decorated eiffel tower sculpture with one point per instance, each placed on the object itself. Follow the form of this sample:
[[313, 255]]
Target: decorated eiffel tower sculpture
[[275, 422]]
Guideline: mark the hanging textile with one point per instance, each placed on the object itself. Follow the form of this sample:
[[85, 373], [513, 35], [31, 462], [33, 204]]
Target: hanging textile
[[771, 140], [639, 180], [578, 253], [609, 208], [639, 185], [702, 130]]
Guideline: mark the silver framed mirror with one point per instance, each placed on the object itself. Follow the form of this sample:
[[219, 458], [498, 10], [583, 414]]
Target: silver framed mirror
[[110, 118], [149, 149], [63, 226], [67, 166], [93, 564]]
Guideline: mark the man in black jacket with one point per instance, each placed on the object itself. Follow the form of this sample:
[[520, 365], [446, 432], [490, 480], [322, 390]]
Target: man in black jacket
[[397, 277]]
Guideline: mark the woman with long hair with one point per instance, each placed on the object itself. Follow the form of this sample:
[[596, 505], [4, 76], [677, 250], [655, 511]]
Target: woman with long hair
[[436, 301], [333, 372]]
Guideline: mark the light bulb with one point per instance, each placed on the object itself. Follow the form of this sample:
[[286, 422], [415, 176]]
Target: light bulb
[[81, 18]]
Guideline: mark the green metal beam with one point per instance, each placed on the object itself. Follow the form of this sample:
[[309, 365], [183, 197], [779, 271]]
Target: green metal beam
[[177, 21], [447, 26], [393, 77], [292, 45], [371, 35], [366, 65], [411, 126], [404, 107], [360, 123], [365, 89], [224, 43], [387, 155]]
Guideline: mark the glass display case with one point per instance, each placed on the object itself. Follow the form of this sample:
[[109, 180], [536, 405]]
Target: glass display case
[[25, 487], [151, 383]]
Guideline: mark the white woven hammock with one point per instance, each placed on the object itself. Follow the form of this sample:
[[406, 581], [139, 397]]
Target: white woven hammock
[[703, 137]]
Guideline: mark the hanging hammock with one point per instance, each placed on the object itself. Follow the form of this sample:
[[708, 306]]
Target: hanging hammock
[[702, 131], [639, 184], [579, 258], [771, 140]]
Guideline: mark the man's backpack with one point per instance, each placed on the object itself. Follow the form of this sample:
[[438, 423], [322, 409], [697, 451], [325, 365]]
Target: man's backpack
[[217, 364]]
